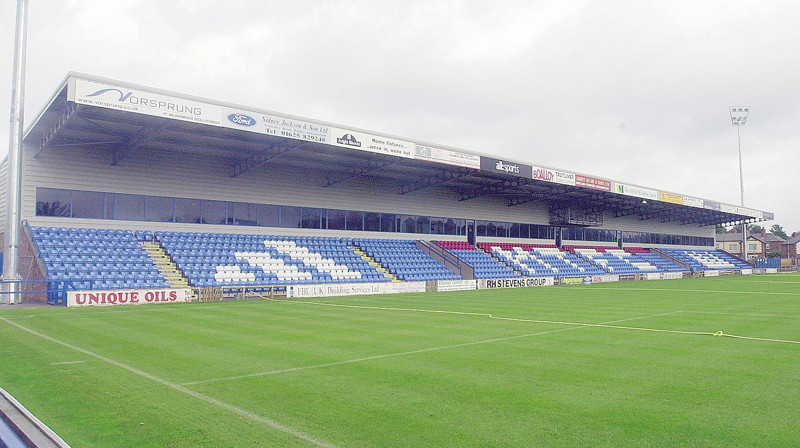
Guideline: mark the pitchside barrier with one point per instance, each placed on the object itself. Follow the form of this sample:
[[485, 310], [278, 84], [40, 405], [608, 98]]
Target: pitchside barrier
[[44, 291], [61, 293]]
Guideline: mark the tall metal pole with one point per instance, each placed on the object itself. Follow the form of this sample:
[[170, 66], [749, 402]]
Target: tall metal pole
[[13, 192], [741, 185], [739, 118]]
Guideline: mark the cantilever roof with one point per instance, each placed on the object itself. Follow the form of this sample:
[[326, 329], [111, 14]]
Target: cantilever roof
[[93, 112]]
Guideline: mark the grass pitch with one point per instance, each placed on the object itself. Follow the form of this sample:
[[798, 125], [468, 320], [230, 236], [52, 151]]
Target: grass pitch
[[483, 368]]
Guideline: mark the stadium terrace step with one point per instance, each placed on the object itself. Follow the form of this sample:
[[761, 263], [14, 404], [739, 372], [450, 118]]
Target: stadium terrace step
[[372, 262], [166, 267]]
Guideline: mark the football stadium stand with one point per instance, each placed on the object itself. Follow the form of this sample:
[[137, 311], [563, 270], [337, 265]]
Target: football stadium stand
[[224, 259], [258, 203], [704, 260], [405, 260], [483, 265], [95, 258], [616, 261]]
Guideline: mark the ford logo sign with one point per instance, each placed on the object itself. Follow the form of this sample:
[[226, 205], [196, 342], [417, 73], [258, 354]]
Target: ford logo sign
[[242, 119]]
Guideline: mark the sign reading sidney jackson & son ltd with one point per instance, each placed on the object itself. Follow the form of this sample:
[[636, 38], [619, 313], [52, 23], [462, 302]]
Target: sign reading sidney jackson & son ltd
[[504, 167]]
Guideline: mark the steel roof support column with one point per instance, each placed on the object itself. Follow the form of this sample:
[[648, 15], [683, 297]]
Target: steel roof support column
[[14, 189]]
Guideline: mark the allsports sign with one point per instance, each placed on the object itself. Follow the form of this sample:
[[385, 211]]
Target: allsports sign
[[505, 167], [127, 297]]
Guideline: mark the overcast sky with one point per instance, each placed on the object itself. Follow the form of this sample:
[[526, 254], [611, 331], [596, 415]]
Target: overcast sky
[[635, 91]]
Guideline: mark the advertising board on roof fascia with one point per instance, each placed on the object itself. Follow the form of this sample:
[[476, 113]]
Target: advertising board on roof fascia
[[726, 208], [751, 212], [638, 192], [671, 198], [711, 205], [504, 167], [593, 183], [110, 96], [692, 202], [554, 176], [447, 157], [769, 216], [278, 126], [361, 141]]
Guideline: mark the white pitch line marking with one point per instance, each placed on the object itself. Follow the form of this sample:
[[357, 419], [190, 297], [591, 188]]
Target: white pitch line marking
[[715, 291], [789, 316], [66, 363], [213, 401], [411, 352]]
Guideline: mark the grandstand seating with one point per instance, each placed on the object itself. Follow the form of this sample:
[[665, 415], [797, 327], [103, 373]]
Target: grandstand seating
[[483, 265], [706, 259], [224, 259], [115, 259], [655, 259], [541, 260], [405, 260], [616, 261], [95, 258]]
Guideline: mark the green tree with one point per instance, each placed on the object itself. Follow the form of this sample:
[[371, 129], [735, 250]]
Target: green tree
[[721, 229], [754, 228], [774, 254], [777, 229]]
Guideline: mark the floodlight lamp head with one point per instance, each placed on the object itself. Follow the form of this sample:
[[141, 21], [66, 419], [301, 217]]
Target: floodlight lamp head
[[739, 115]]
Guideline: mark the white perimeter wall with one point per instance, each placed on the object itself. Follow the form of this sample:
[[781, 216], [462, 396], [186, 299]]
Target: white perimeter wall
[[179, 175]]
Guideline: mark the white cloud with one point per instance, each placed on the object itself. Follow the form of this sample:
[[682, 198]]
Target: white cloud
[[631, 90]]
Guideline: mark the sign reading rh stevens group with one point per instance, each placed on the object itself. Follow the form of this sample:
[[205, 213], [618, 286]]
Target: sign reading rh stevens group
[[127, 297], [524, 282]]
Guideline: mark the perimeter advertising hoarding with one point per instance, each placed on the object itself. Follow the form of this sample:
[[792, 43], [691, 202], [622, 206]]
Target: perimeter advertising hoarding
[[504, 167], [98, 94], [593, 183], [456, 285], [671, 275], [576, 280], [554, 176], [672, 198], [275, 125], [446, 156], [692, 202], [346, 138], [710, 273], [127, 297], [605, 278], [353, 289], [638, 192], [524, 282]]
